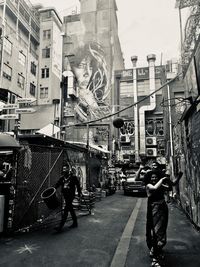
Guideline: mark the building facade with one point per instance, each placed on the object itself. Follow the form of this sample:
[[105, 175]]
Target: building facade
[[34, 66], [142, 135], [31, 62], [91, 52], [185, 135]]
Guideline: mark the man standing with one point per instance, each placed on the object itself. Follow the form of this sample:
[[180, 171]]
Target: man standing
[[69, 183]]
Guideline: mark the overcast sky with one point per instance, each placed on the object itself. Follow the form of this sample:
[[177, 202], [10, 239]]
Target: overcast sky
[[144, 27]]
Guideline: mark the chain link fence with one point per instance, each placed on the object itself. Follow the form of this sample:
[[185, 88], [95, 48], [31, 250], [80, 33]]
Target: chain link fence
[[38, 168]]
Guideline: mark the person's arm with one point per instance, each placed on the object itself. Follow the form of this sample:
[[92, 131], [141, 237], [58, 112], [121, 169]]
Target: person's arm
[[137, 176], [58, 183], [176, 181], [78, 187], [151, 187]]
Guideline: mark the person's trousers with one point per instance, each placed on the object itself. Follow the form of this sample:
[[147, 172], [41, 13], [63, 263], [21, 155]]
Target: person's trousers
[[68, 208]]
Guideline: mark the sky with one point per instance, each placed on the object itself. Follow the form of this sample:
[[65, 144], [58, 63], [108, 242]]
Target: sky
[[144, 27]]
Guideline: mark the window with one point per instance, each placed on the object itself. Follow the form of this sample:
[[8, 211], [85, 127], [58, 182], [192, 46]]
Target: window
[[12, 99], [46, 53], [43, 92], [46, 34], [20, 81], [32, 89], [22, 58], [8, 46], [45, 73], [7, 72], [33, 68]]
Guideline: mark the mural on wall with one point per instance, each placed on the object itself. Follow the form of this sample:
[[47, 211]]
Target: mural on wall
[[91, 73]]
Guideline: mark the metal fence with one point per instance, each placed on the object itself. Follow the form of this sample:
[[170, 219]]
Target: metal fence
[[38, 168]]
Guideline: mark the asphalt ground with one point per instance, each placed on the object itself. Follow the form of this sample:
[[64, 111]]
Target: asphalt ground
[[113, 235], [183, 241]]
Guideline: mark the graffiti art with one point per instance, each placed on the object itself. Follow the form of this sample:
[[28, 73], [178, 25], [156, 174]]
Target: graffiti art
[[91, 73]]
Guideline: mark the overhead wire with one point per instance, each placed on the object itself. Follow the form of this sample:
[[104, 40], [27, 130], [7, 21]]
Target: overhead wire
[[126, 108]]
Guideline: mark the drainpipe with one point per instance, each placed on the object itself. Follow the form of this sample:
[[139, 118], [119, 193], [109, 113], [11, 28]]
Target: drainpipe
[[151, 61], [135, 95]]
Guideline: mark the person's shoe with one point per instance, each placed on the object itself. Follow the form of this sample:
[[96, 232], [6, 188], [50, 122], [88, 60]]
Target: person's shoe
[[151, 253], [58, 229], [74, 225]]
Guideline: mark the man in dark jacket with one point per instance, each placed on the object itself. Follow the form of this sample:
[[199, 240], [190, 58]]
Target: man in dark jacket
[[69, 183]]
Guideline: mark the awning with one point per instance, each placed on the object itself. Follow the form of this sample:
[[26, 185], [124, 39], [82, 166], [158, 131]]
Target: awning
[[34, 121], [49, 130], [90, 145], [7, 141]]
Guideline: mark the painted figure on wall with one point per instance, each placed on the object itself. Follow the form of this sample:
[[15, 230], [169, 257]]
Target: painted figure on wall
[[90, 70]]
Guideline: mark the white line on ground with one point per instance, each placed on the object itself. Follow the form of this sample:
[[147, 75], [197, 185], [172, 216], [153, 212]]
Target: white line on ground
[[121, 252]]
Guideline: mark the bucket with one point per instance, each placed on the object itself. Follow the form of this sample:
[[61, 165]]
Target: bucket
[[50, 198]]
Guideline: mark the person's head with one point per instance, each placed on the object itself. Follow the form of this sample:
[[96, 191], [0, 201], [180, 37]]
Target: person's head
[[155, 165], [83, 71], [90, 69], [65, 170], [154, 177]]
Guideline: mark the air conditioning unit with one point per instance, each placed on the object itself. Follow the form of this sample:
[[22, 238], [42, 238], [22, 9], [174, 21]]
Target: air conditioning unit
[[125, 139], [151, 141], [151, 152]]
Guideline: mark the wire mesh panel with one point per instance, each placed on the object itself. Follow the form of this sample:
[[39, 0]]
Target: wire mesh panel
[[38, 168]]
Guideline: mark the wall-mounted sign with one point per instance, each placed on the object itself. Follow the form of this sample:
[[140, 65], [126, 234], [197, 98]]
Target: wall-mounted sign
[[10, 106], [9, 117], [25, 100], [190, 80], [197, 66], [142, 73], [24, 110]]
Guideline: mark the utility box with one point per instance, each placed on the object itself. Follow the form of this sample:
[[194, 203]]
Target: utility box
[[2, 207]]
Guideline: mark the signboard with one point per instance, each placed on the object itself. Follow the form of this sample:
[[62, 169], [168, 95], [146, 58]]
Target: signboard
[[197, 66], [25, 100], [24, 110], [9, 117], [10, 106], [190, 80], [142, 73]]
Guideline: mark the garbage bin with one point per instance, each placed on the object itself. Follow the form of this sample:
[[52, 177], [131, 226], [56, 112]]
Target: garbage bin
[[50, 198], [2, 207]]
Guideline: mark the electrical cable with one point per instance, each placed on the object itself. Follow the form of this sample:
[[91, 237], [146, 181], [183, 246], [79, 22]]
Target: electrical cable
[[130, 106]]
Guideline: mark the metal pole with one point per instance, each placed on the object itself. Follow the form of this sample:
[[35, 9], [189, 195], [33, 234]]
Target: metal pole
[[2, 42], [88, 151], [170, 131], [181, 34]]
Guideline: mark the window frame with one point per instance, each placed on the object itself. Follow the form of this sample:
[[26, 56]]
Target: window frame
[[7, 46], [33, 68], [20, 80], [44, 73], [22, 58], [6, 74], [32, 89], [47, 34], [46, 52], [44, 95]]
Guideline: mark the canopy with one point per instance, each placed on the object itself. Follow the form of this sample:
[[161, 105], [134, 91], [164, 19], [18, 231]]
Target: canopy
[[49, 130], [7, 141]]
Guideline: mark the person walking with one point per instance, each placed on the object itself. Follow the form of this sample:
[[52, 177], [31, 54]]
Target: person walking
[[157, 213], [69, 183]]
